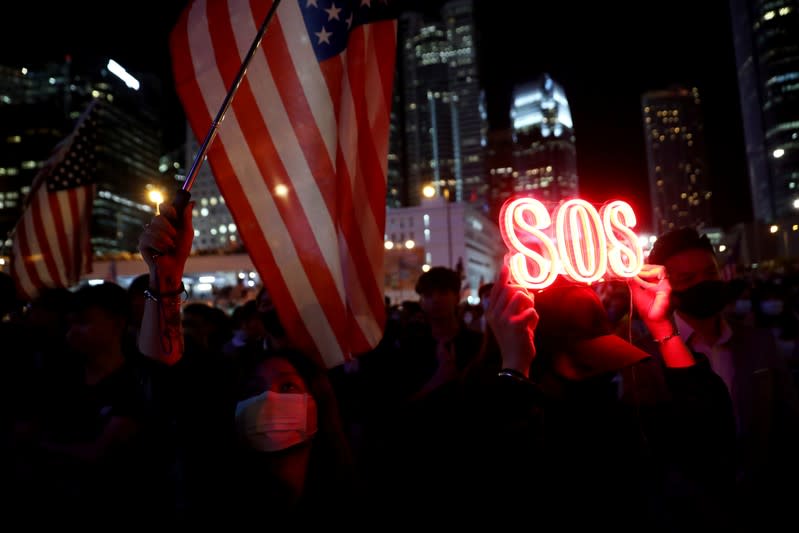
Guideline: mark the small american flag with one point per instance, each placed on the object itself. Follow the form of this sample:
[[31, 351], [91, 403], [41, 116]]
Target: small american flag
[[51, 242], [301, 156]]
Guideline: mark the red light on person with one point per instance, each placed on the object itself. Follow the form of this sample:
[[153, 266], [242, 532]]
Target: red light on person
[[585, 245]]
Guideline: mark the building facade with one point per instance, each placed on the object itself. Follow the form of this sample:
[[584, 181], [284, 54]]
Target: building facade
[[545, 155], [767, 56], [438, 116], [38, 107], [440, 233], [679, 187]]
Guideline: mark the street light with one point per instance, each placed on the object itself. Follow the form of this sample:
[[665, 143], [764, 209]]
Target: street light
[[779, 152], [428, 191], [773, 228]]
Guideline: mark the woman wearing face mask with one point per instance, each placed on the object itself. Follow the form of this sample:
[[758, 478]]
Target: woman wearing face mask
[[290, 464], [291, 455]]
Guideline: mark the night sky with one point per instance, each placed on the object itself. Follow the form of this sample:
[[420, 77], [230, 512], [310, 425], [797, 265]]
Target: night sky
[[604, 54]]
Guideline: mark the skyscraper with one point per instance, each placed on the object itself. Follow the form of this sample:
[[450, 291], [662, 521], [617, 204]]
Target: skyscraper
[[767, 55], [545, 156], [37, 109], [439, 117], [674, 136]]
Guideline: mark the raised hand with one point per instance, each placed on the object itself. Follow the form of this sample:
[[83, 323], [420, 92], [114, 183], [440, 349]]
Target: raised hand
[[512, 316], [165, 248], [651, 293]]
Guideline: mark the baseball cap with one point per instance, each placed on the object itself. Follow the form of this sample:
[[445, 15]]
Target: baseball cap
[[676, 241], [572, 320]]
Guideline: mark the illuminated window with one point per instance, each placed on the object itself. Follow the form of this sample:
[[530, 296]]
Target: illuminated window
[[14, 139]]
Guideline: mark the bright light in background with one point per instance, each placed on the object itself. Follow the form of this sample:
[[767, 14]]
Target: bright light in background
[[250, 283], [2, 261], [796, 204], [203, 287], [795, 227], [425, 268], [779, 152], [722, 247], [24, 71], [281, 190], [252, 275], [157, 198], [774, 229], [120, 72], [409, 244], [389, 245], [428, 191], [241, 275], [94, 282], [652, 239], [207, 279]]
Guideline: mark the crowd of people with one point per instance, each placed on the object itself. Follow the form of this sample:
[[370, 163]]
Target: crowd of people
[[663, 403]]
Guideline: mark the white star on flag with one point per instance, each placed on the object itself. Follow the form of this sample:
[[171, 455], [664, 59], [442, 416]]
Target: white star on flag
[[311, 3], [349, 21], [333, 12], [367, 3], [324, 36]]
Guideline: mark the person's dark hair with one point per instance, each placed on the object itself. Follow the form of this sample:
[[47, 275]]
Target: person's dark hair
[[441, 278], [676, 241], [331, 462], [485, 290], [109, 297], [8, 294], [244, 312], [139, 283]]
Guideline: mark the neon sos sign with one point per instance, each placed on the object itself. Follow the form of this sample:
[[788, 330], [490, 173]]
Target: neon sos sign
[[584, 245]]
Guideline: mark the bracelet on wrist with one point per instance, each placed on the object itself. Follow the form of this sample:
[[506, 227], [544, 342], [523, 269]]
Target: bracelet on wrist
[[673, 334], [160, 297], [513, 374]]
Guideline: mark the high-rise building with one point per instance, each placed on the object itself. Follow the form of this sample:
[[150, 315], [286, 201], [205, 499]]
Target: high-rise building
[[767, 55], [674, 136], [464, 83], [545, 156], [439, 118], [38, 107], [499, 168]]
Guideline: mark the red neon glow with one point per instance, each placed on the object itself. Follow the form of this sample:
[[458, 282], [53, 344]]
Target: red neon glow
[[624, 260], [585, 245], [512, 220], [584, 251]]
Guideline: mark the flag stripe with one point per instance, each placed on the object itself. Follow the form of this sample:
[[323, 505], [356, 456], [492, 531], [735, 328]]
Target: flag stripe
[[312, 116], [289, 166], [62, 238], [43, 239], [245, 169]]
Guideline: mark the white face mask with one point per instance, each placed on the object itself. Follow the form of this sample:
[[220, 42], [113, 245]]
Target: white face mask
[[275, 421]]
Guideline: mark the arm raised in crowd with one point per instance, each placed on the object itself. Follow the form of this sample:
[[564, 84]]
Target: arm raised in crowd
[[165, 248]]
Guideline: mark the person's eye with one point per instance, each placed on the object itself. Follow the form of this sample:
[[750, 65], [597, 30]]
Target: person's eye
[[289, 387]]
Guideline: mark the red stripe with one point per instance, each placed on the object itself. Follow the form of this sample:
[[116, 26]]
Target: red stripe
[[88, 193], [299, 112], [27, 260], [44, 243], [64, 246], [370, 168], [236, 198], [273, 172], [74, 212]]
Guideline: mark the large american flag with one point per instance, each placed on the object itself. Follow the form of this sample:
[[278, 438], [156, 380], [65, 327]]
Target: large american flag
[[301, 154], [51, 242]]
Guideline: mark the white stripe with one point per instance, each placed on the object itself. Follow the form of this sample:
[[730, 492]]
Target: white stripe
[[376, 109], [52, 237], [69, 225], [34, 245], [213, 91], [359, 303], [20, 271], [314, 84], [281, 130], [348, 139]]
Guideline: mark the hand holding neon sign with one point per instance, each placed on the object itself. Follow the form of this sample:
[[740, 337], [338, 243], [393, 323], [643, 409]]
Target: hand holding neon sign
[[588, 245]]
